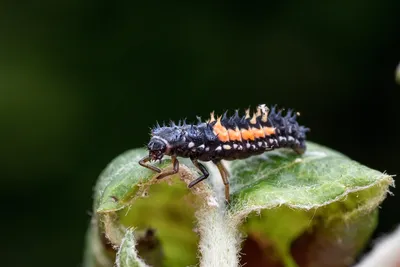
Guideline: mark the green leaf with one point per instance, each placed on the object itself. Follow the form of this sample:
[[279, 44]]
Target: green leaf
[[122, 180], [321, 194], [321, 176], [127, 196], [286, 210], [397, 74]]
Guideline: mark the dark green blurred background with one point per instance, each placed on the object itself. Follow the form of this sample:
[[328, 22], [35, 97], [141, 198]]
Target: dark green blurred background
[[82, 81]]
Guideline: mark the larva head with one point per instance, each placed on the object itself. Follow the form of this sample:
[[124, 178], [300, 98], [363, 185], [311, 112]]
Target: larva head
[[157, 148], [164, 140]]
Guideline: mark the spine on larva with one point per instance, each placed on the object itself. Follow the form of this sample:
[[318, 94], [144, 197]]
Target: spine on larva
[[287, 130]]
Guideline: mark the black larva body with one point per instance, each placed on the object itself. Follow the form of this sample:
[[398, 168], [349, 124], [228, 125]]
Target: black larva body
[[227, 138]]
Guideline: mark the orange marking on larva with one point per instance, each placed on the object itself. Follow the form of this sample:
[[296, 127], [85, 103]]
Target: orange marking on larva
[[220, 131], [223, 136], [269, 130], [258, 133], [247, 134], [234, 135]]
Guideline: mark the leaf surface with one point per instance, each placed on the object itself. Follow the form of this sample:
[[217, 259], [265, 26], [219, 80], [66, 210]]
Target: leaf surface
[[285, 210]]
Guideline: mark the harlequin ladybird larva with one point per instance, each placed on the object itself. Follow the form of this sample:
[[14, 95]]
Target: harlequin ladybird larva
[[224, 138]]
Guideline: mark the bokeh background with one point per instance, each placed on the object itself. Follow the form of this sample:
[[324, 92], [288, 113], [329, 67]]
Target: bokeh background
[[82, 81]]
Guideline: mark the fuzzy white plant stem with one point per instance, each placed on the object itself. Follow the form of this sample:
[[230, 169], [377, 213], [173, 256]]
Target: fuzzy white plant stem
[[127, 254], [220, 239], [386, 253]]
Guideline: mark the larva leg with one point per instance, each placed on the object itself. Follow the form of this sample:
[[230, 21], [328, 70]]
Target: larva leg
[[143, 162], [225, 175], [203, 170], [175, 169], [299, 150]]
